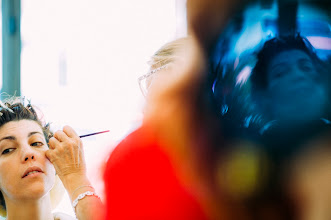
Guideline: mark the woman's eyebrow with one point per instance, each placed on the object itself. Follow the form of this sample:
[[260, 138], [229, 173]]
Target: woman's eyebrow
[[304, 60], [14, 138], [8, 138], [33, 133]]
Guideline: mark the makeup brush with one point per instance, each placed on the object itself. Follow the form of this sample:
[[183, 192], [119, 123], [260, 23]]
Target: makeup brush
[[100, 132]]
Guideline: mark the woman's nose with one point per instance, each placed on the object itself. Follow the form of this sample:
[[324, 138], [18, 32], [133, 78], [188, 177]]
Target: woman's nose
[[28, 154], [29, 157]]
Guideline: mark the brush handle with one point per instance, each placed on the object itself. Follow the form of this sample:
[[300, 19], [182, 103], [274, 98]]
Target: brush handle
[[100, 132]]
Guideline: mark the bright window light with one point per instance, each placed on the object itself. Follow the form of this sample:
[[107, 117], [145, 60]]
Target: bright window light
[[80, 64]]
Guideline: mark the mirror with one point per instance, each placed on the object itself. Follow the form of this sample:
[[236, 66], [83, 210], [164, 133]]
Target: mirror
[[271, 70]]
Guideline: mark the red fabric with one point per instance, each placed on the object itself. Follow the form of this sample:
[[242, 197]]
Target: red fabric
[[140, 183]]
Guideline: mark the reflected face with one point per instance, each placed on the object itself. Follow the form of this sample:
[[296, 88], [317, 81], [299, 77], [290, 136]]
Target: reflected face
[[293, 69], [25, 172], [294, 88]]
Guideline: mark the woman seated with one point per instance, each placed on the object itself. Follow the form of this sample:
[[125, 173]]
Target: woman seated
[[31, 158]]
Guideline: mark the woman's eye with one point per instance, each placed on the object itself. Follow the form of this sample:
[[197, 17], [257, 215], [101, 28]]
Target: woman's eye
[[8, 150], [306, 65], [37, 144], [279, 74], [306, 68]]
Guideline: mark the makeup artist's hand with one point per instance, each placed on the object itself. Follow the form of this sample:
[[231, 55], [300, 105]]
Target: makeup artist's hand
[[66, 153]]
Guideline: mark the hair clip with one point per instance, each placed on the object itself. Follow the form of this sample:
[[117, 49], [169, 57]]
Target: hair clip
[[6, 107]]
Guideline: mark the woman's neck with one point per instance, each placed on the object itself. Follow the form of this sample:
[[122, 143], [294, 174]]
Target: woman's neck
[[30, 209]]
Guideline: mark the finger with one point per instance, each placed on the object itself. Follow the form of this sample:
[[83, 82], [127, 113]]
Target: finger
[[70, 132], [60, 136], [53, 142]]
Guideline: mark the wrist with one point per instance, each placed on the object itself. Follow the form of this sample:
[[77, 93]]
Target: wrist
[[82, 196], [74, 183], [81, 189]]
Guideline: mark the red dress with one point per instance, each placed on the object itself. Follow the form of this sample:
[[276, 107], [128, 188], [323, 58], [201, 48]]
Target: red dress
[[141, 183]]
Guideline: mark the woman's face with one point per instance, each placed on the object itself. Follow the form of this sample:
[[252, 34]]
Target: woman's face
[[294, 85], [25, 172]]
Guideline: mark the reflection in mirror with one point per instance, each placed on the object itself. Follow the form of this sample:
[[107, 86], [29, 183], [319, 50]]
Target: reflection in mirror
[[271, 67]]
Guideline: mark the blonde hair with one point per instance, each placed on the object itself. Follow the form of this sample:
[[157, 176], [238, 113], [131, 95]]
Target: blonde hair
[[168, 53]]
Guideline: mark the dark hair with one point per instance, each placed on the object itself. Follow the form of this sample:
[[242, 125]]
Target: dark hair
[[14, 109], [273, 47]]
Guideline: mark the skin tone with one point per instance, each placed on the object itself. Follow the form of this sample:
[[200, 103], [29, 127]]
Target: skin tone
[[67, 155], [23, 148], [293, 85]]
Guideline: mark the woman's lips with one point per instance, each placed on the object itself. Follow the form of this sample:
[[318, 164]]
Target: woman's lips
[[32, 171]]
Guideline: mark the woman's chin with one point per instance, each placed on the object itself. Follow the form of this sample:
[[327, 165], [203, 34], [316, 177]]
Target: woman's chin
[[35, 191]]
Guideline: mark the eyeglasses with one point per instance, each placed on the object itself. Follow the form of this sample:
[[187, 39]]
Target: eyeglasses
[[146, 80]]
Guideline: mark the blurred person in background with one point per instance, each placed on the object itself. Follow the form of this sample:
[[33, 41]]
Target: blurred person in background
[[141, 181], [228, 178], [152, 174]]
